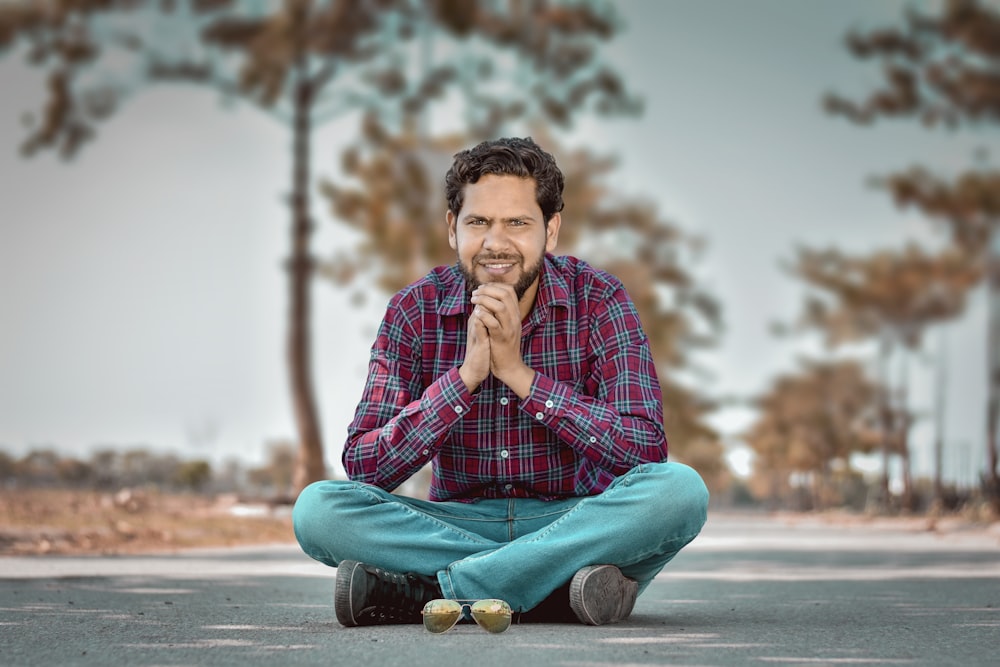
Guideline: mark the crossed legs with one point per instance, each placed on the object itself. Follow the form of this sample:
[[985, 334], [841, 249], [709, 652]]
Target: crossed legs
[[519, 550]]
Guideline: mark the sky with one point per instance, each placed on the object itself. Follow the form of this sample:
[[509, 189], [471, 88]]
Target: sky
[[140, 306]]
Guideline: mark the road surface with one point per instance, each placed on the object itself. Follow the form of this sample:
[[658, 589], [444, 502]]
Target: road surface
[[751, 590]]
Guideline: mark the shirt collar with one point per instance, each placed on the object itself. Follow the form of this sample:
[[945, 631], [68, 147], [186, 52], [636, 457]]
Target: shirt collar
[[454, 299], [553, 290]]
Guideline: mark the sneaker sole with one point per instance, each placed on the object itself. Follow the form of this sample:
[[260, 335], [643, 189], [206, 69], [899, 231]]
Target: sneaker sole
[[601, 594], [343, 596]]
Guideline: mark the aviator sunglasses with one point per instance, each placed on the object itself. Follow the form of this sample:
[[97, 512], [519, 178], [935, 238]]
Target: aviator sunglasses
[[442, 615]]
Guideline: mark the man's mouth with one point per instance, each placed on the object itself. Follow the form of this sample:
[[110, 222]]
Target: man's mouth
[[498, 267]]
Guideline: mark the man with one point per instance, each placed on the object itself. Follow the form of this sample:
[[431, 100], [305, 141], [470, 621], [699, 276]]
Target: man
[[527, 382]]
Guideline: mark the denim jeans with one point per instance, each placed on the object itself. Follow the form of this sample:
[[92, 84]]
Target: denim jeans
[[519, 550]]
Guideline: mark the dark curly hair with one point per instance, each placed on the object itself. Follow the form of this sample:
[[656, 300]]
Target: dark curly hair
[[511, 156]]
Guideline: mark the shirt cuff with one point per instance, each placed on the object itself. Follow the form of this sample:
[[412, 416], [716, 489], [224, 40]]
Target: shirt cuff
[[553, 404], [547, 400], [448, 398]]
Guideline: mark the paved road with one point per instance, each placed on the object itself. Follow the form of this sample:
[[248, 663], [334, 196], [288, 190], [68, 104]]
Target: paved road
[[750, 590]]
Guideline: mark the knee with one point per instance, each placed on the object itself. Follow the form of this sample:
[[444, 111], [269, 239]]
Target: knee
[[331, 513], [324, 510], [686, 482], [693, 492], [309, 516], [306, 503], [676, 490]]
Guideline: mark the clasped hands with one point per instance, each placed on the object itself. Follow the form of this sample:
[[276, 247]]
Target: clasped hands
[[494, 340]]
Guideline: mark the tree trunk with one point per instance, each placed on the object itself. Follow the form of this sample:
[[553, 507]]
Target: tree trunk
[[903, 433], [310, 465], [992, 477], [885, 420], [940, 396]]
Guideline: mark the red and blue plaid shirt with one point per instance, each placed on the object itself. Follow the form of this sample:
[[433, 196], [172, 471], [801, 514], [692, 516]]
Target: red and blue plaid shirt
[[594, 412]]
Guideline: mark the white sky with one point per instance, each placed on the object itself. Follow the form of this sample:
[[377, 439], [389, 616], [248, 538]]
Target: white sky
[[142, 300]]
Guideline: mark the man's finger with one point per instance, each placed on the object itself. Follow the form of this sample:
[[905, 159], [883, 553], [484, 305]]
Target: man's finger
[[488, 318]]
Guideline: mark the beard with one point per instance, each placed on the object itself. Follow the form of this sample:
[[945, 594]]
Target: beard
[[528, 275]]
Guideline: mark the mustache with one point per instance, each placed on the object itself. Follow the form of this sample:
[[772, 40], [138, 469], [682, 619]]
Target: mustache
[[485, 257]]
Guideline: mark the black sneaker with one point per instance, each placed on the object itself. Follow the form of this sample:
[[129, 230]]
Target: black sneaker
[[369, 595], [600, 594]]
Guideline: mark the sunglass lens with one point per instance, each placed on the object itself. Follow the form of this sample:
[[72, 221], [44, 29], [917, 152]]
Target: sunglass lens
[[441, 621], [492, 615], [441, 615]]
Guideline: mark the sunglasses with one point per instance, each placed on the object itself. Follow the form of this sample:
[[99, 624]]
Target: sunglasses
[[442, 615]]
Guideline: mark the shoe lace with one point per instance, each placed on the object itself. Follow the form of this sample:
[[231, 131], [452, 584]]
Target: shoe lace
[[404, 592]]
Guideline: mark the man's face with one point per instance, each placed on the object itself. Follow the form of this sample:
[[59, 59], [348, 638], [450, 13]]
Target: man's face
[[500, 236]]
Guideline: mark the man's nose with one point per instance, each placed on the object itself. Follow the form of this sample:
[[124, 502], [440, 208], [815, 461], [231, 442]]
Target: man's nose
[[496, 237]]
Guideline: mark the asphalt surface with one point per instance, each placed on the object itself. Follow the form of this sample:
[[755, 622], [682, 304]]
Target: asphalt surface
[[751, 590]]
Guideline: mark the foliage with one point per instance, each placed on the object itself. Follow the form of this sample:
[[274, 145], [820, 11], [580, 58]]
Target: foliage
[[888, 294], [193, 474], [943, 70], [306, 62], [106, 469], [940, 69], [969, 204], [811, 422], [112, 469], [278, 474], [891, 297], [262, 51]]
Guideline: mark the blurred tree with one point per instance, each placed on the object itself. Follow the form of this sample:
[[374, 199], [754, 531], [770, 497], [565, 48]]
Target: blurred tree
[[8, 467], [809, 424], [306, 62], [193, 474], [138, 468], [396, 204], [278, 475], [891, 297], [231, 477], [943, 69], [106, 465], [39, 467], [73, 472]]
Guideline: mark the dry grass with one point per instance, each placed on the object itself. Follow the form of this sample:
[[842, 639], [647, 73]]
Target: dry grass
[[56, 521]]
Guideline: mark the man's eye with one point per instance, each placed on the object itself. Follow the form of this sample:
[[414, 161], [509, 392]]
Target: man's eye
[[517, 223], [477, 222]]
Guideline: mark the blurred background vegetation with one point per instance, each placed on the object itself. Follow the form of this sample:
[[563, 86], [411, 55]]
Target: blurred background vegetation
[[536, 67]]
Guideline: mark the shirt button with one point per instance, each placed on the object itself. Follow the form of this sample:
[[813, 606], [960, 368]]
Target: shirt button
[[426, 452], [539, 415], [504, 401], [458, 409], [593, 439], [508, 487], [504, 453], [549, 404]]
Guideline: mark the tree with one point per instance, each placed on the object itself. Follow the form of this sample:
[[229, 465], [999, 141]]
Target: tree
[[305, 62], [8, 467], [809, 424], [39, 467], [277, 476], [193, 474], [943, 69], [890, 297]]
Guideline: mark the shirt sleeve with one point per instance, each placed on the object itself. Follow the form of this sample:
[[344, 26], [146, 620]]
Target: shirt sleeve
[[399, 426], [617, 421]]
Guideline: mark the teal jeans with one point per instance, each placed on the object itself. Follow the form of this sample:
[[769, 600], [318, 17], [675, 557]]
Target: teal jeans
[[520, 550]]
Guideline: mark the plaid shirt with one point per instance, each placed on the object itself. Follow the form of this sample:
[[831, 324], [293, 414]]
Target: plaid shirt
[[594, 411]]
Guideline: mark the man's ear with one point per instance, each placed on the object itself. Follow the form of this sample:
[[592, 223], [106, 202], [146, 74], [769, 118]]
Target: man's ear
[[552, 232], [452, 237]]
